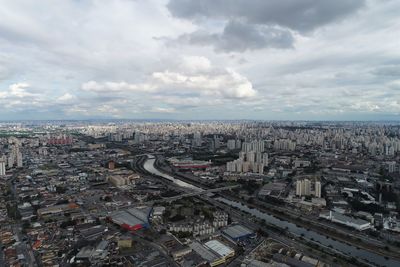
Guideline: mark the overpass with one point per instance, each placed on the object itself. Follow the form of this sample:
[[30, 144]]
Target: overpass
[[171, 199], [203, 192]]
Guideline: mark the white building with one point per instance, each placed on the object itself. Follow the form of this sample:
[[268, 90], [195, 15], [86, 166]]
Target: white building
[[231, 144], [318, 189], [303, 188], [250, 161], [2, 167], [19, 160], [256, 146], [220, 249], [336, 217], [391, 166], [198, 228]]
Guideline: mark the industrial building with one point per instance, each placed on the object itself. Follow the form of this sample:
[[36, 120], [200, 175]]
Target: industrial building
[[355, 223], [219, 248], [214, 252], [57, 209], [132, 219], [237, 233], [93, 255]]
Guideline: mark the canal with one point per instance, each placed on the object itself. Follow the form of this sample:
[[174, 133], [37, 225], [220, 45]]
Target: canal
[[149, 166]]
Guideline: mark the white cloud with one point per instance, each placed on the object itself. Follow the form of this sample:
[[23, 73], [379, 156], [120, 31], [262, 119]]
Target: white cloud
[[115, 87], [194, 75], [107, 109], [19, 90], [19, 97], [228, 84], [67, 97], [163, 110], [195, 64]]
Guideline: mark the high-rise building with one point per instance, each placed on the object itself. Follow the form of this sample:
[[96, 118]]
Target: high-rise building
[[391, 166], [216, 142], [307, 187], [299, 188], [19, 160], [285, 145], [256, 146], [238, 144], [265, 159], [318, 189], [11, 161], [2, 167], [303, 188], [197, 139], [231, 144], [251, 158]]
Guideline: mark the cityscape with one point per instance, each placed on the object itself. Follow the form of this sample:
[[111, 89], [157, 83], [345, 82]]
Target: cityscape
[[200, 133], [245, 193]]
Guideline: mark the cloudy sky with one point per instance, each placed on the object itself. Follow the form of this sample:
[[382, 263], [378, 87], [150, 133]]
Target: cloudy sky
[[191, 59]]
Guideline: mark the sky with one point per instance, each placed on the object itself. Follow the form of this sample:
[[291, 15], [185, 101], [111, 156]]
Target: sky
[[191, 59]]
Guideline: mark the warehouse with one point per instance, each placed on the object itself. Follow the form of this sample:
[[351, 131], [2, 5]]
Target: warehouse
[[355, 223], [220, 249], [238, 233], [211, 257], [57, 209], [132, 219]]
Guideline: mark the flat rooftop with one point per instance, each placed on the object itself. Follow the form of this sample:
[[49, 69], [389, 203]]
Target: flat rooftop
[[219, 248], [237, 231], [131, 216], [203, 252]]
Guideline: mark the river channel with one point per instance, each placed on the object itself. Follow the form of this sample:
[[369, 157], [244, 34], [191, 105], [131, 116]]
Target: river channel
[[291, 227]]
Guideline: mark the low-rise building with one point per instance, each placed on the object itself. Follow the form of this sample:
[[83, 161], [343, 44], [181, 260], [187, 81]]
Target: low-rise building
[[355, 223], [237, 233]]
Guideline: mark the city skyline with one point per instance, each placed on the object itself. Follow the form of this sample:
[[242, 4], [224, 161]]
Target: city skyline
[[199, 193], [185, 60]]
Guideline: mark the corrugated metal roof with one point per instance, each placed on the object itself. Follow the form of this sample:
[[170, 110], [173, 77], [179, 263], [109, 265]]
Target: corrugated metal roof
[[219, 248], [203, 252], [237, 231]]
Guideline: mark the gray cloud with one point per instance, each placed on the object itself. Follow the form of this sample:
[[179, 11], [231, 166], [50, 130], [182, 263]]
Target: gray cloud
[[258, 24], [348, 69], [239, 37], [303, 15], [387, 71]]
